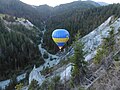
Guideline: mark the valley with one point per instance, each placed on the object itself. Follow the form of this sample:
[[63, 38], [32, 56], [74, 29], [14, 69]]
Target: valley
[[28, 55]]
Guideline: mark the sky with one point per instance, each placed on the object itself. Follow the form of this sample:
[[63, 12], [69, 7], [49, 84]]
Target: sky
[[58, 2]]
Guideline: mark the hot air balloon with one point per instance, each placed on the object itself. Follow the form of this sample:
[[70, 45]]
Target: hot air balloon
[[60, 37]]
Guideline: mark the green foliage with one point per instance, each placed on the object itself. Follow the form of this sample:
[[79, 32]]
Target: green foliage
[[84, 21], [110, 40], [55, 83], [9, 18], [34, 85], [33, 33], [71, 83], [106, 48], [78, 61], [19, 86], [99, 56], [44, 85], [56, 79]]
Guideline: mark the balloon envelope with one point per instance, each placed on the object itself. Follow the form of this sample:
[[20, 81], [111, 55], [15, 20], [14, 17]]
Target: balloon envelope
[[60, 37]]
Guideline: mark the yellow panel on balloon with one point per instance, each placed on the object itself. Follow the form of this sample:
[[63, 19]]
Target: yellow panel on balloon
[[60, 39]]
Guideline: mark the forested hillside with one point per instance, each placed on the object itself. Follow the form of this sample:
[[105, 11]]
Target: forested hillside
[[18, 48], [74, 21], [19, 9]]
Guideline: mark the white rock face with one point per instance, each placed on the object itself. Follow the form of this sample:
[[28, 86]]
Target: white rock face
[[3, 84], [21, 21], [21, 77], [66, 74], [35, 74], [26, 23], [94, 39]]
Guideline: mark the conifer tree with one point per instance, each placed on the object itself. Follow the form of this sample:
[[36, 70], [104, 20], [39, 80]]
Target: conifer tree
[[78, 60]]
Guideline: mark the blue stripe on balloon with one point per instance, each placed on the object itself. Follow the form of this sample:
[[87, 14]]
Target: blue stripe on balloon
[[60, 33], [60, 44]]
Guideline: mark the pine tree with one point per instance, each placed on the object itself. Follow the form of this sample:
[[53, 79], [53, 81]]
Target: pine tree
[[99, 56], [78, 61], [110, 40]]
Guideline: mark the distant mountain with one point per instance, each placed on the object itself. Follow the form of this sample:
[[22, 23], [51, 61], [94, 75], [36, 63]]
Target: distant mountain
[[16, 8], [68, 7], [81, 5], [103, 3], [37, 14], [100, 3], [45, 10]]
